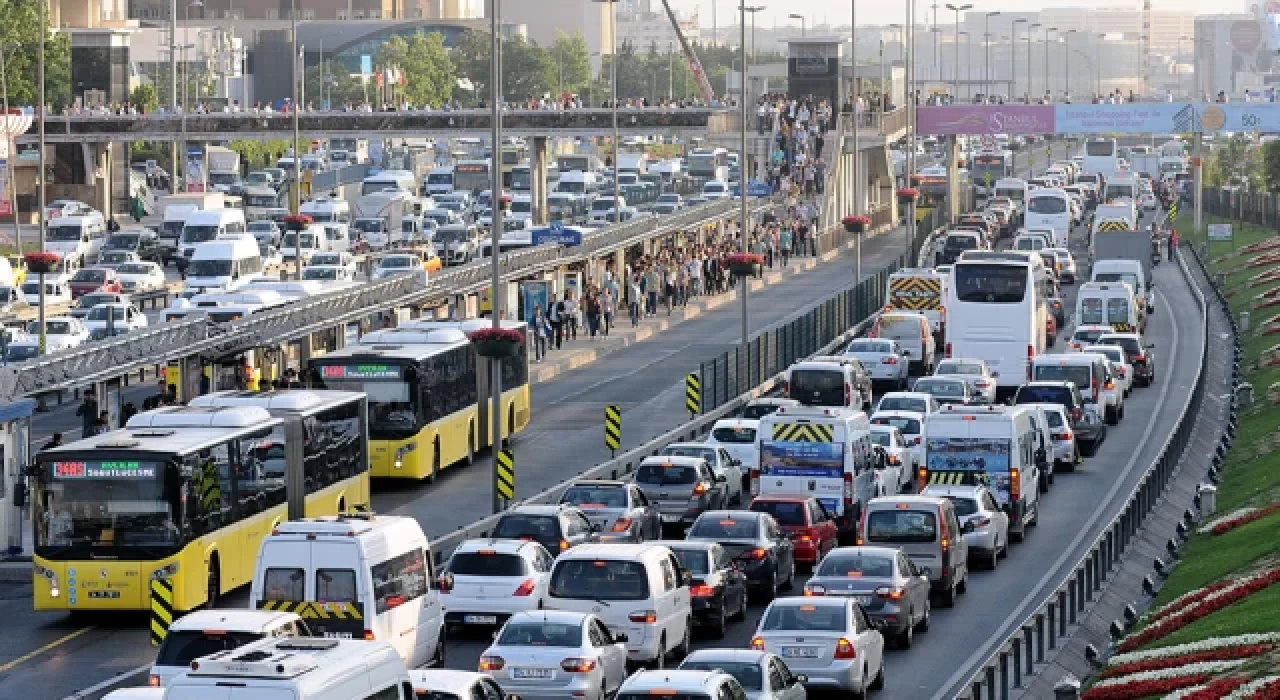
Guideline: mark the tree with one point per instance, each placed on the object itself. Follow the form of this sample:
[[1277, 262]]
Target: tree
[[572, 61], [470, 57], [199, 83], [1229, 161], [527, 70], [144, 97], [1271, 165], [19, 20], [343, 86], [422, 59]]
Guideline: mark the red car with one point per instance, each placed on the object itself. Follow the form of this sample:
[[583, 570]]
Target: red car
[[811, 527], [94, 279]]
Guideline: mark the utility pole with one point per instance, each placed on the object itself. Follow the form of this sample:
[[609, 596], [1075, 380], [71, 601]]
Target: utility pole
[[41, 113], [294, 73], [496, 227], [744, 168], [173, 90], [13, 183]]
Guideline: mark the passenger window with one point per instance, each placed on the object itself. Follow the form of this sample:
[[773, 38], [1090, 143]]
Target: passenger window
[[399, 580], [335, 586], [211, 481], [668, 575], [284, 584], [260, 472]]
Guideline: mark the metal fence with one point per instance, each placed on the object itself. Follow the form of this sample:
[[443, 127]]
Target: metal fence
[[332, 179], [772, 351], [1045, 628]]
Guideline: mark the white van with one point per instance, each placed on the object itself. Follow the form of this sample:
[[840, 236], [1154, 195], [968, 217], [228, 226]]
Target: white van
[[1049, 207], [914, 334], [439, 181], [314, 240], [205, 226], [204, 632], [638, 590], [76, 237], [821, 452], [993, 446], [828, 381], [1092, 375], [224, 264], [304, 668], [1132, 273], [579, 183], [327, 210], [1108, 303], [225, 307], [366, 576], [389, 180]]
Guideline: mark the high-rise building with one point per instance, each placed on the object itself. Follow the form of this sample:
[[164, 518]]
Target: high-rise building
[[1166, 25], [547, 19]]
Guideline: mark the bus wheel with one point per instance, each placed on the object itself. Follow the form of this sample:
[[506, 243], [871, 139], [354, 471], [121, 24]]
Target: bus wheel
[[435, 462], [511, 427], [471, 445], [214, 586]]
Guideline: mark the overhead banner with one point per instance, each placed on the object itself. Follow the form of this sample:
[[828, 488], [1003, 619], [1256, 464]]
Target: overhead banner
[[1131, 118]]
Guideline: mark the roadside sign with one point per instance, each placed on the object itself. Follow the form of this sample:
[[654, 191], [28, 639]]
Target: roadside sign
[[1220, 232]]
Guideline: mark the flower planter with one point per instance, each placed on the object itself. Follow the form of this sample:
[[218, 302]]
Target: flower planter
[[496, 348], [300, 222], [741, 269], [855, 224], [42, 263]]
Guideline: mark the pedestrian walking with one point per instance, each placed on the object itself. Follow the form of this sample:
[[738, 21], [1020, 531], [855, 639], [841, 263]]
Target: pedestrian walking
[[594, 312], [608, 307], [555, 314], [633, 299], [541, 329], [784, 245], [88, 413], [1173, 242]]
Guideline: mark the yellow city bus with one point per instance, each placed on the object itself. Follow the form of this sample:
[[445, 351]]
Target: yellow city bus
[[428, 394], [187, 493]]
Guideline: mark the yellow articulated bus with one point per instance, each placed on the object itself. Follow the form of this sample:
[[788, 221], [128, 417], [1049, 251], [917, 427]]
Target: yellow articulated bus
[[428, 394], [187, 493]]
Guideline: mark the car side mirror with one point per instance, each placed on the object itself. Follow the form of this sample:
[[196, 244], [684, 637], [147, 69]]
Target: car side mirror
[[686, 578], [619, 638], [967, 528], [444, 582], [801, 678]]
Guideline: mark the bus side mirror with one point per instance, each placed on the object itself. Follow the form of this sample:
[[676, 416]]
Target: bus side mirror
[[20, 495]]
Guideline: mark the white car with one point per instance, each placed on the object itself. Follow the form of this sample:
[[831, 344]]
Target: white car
[[446, 683], [985, 527], [883, 360], [124, 318], [271, 255], [899, 461], [11, 298], [493, 580], [557, 654], [828, 639], [205, 631], [763, 676], [1120, 363], [1065, 455], [56, 290], [910, 424], [61, 332], [337, 259], [141, 277], [328, 273], [740, 437], [113, 259], [1085, 335], [975, 373], [399, 264], [917, 401]]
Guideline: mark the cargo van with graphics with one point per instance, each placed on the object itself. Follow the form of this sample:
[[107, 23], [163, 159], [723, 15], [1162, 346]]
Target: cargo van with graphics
[[922, 290], [820, 452], [356, 577]]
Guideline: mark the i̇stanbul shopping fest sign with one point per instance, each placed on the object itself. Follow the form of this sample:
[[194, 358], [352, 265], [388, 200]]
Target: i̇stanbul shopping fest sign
[[1129, 118]]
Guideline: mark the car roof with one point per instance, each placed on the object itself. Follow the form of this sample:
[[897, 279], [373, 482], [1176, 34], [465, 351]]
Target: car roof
[[538, 509], [922, 395], [864, 548], [499, 546], [892, 501], [674, 679], [612, 483], [915, 415], [952, 490], [1126, 336], [232, 620], [772, 401], [1092, 327], [1058, 383], [443, 680], [686, 544], [884, 428], [738, 655], [736, 423], [560, 617]]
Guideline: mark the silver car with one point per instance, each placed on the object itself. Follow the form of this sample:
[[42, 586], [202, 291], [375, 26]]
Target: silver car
[[985, 527], [721, 462], [555, 654], [975, 373], [619, 509], [830, 640], [883, 358], [892, 591], [900, 466], [762, 675], [1064, 453]]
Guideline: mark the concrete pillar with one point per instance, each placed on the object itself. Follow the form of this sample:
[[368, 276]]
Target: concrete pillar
[[952, 153], [538, 180]]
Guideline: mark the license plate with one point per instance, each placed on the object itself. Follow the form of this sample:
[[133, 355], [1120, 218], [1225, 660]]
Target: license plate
[[668, 518], [531, 673], [799, 652], [104, 594], [863, 599], [480, 619]]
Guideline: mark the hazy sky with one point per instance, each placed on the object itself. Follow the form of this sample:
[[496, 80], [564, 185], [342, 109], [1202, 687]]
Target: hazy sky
[[836, 12]]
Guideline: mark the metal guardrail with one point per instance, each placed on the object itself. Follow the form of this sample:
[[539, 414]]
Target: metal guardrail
[[1046, 627], [330, 179]]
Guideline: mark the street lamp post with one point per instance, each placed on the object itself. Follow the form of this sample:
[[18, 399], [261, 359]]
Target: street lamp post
[[986, 68], [1013, 58], [803, 30], [1030, 30], [753, 10], [744, 167], [1048, 88], [496, 228], [958, 9], [1066, 79], [968, 63], [296, 78]]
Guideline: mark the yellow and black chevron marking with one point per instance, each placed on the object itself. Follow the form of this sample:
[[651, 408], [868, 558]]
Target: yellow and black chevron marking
[[1115, 225], [950, 478], [803, 432], [612, 427], [309, 610], [1122, 328], [161, 609], [301, 608], [915, 293], [506, 483], [693, 393], [1173, 211]]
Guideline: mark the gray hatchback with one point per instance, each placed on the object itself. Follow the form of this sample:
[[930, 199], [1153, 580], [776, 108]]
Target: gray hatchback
[[681, 488]]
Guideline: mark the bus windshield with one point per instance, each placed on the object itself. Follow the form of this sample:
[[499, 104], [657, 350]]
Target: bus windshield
[[1000, 284], [393, 405], [97, 505], [1047, 205]]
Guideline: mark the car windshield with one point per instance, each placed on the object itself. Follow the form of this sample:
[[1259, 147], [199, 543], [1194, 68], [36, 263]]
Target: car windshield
[[193, 233], [397, 262], [1044, 394], [1127, 278], [486, 562], [666, 474], [452, 235], [964, 506], [1112, 353], [516, 525], [123, 241], [599, 579], [135, 269], [818, 387], [589, 497], [708, 452], [966, 368], [320, 273], [89, 275], [747, 674], [739, 435], [18, 353], [901, 526], [805, 617], [694, 559], [882, 438], [756, 411], [1132, 346], [856, 566], [209, 268], [181, 647], [99, 313], [540, 634], [990, 283], [1047, 205], [785, 512], [869, 346], [326, 259], [1087, 336], [906, 426], [945, 389], [1091, 310], [89, 301], [1080, 375], [902, 403], [725, 528], [63, 233]]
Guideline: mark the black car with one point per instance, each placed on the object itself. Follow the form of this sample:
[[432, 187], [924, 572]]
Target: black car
[[556, 527], [1089, 428], [719, 588], [1138, 354], [144, 242], [754, 541]]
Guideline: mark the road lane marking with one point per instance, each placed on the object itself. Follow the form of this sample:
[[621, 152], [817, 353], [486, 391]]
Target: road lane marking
[[51, 645], [982, 654]]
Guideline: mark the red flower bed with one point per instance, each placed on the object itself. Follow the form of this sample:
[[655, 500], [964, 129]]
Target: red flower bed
[[1228, 525], [1218, 688], [1193, 597], [1142, 689], [1270, 691], [496, 335], [1176, 621], [1224, 654]]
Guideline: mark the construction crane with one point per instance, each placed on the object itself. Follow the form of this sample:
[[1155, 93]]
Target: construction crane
[[695, 66], [1144, 49]]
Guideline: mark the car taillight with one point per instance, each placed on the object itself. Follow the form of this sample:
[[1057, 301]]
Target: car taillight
[[644, 617], [368, 636], [1015, 485], [755, 482], [1075, 414], [1094, 384], [947, 351], [700, 488], [786, 388], [982, 383], [1031, 352], [845, 650], [848, 395], [702, 591], [889, 592], [564, 545], [1109, 385], [578, 665], [153, 681], [526, 588], [1139, 358], [891, 459], [492, 663], [759, 553], [621, 525], [848, 488], [815, 590], [757, 643], [1062, 436], [889, 361]]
